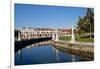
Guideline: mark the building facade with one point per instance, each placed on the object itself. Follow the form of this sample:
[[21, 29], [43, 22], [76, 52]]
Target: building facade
[[32, 33]]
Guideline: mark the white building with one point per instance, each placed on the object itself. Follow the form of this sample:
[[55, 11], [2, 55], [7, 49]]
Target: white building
[[31, 33]]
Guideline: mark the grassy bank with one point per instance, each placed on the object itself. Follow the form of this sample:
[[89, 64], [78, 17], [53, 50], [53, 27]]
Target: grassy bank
[[65, 38], [77, 38]]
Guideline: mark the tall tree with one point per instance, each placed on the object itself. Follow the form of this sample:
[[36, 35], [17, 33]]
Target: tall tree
[[86, 23]]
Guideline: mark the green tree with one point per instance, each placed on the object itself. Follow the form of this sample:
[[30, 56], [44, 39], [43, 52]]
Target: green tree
[[85, 24]]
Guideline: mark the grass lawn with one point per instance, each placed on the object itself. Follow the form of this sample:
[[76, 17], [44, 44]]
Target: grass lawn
[[77, 38], [66, 38]]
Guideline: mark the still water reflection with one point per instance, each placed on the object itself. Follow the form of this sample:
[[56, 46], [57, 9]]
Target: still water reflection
[[43, 54]]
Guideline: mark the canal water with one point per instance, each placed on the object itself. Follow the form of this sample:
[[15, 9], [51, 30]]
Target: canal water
[[43, 54]]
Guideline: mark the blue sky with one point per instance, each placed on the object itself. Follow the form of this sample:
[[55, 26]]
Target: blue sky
[[44, 16]]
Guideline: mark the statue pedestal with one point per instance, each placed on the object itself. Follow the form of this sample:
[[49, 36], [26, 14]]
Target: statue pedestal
[[57, 38], [19, 37], [73, 37]]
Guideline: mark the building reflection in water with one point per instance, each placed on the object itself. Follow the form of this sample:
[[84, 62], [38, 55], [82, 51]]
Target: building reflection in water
[[57, 55], [20, 52], [20, 55], [73, 58], [53, 49], [30, 50], [56, 52]]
